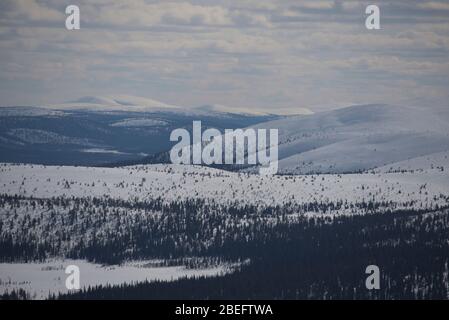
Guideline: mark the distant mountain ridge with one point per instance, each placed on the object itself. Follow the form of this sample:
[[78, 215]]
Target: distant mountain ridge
[[115, 103], [128, 103], [101, 130]]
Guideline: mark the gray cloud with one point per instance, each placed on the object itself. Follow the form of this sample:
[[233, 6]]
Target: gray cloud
[[262, 54]]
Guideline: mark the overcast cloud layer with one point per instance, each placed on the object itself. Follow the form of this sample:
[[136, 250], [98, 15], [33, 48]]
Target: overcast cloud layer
[[257, 54]]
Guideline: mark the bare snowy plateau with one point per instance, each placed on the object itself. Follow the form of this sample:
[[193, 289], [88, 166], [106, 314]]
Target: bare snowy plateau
[[420, 186]]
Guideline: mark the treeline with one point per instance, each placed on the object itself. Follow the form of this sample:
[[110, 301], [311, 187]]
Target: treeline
[[323, 259], [15, 294], [292, 255]]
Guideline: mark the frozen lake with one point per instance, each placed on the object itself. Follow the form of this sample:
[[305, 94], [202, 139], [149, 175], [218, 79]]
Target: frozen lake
[[41, 279]]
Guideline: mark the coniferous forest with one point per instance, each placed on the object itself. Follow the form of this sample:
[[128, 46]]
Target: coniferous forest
[[322, 259], [279, 252]]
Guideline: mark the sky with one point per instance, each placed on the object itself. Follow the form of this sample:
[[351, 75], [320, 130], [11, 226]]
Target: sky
[[250, 54]]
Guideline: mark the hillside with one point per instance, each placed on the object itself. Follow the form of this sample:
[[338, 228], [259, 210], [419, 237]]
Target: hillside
[[101, 130], [358, 138], [206, 219], [424, 189]]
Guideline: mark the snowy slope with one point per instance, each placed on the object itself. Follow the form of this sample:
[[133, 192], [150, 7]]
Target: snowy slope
[[116, 103], [127, 103], [424, 189], [218, 108], [358, 138], [435, 162]]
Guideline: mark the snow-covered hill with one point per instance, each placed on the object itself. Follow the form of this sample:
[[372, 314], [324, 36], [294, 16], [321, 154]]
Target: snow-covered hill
[[218, 108], [422, 190], [437, 162], [116, 103], [126, 103], [359, 138]]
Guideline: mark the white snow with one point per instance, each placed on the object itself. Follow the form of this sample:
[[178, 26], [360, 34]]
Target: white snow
[[100, 150], [40, 279], [437, 162], [219, 108], [174, 182], [114, 103], [139, 123], [127, 103], [358, 138]]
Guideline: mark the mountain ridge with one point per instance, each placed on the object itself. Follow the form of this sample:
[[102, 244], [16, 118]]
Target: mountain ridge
[[129, 103]]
